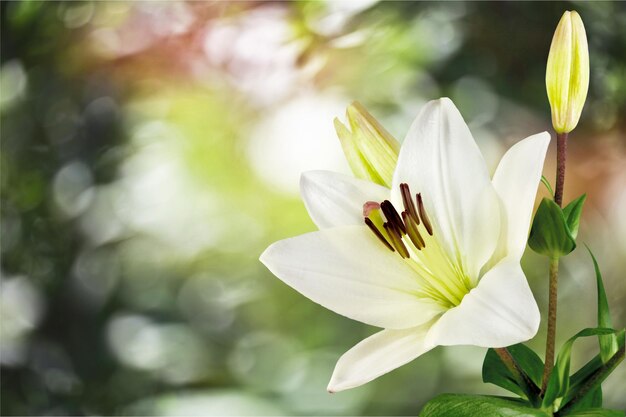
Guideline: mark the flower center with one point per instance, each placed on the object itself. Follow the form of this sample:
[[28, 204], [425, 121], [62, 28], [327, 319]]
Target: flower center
[[411, 234]]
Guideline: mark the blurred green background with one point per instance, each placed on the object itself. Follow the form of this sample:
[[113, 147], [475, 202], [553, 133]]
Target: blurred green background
[[152, 150]]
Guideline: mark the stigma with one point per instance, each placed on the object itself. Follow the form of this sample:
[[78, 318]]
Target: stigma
[[391, 229]]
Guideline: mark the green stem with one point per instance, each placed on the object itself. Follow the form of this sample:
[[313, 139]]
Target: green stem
[[551, 337], [522, 379]]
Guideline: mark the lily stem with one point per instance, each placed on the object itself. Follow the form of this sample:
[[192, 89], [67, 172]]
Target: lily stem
[[561, 155], [551, 337], [520, 376]]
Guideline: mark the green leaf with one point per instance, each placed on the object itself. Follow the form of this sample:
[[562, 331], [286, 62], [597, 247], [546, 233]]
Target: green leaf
[[458, 405], [597, 412], [608, 344], [550, 234], [572, 214], [545, 182], [496, 372], [582, 375], [592, 400], [592, 374], [558, 384]]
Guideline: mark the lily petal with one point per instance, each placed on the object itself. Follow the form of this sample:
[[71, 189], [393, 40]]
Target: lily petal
[[337, 200], [516, 180], [347, 270], [377, 355], [440, 159], [500, 311]]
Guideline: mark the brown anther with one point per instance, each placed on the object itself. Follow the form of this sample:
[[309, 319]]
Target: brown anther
[[409, 206], [423, 215], [378, 234], [412, 232], [396, 240], [370, 206], [392, 216]]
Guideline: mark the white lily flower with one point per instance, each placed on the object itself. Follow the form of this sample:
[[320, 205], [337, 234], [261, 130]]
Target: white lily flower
[[444, 271]]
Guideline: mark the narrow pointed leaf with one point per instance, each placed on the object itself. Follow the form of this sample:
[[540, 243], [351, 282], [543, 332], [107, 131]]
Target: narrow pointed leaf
[[497, 373], [558, 384], [592, 400], [550, 234], [608, 343], [572, 214], [591, 376], [545, 182], [458, 405], [582, 375]]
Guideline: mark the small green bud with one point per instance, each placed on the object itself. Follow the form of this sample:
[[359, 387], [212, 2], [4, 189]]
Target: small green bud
[[567, 72], [554, 230], [371, 151], [549, 234]]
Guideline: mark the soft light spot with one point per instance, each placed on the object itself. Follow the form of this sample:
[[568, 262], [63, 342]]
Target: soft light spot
[[298, 137], [72, 188], [13, 82]]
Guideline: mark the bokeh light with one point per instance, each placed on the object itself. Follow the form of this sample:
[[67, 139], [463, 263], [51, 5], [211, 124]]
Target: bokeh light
[[150, 151]]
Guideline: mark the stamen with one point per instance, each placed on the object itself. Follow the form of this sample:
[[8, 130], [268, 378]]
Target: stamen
[[408, 202], [370, 206], [392, 216], [396, 225], [396, 240], [423, 215], [412, 232], [379, 235]]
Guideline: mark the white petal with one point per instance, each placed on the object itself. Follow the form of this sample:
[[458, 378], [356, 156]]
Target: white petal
[[348, 270], [334, 199], [500, 312], [516, 180], [440, 159], [377, 355]]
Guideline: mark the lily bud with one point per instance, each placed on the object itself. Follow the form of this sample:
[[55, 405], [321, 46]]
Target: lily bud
[[371, 151], [567, 72]]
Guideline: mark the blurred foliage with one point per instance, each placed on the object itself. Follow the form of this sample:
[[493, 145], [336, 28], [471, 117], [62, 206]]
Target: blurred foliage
[[151, 150]]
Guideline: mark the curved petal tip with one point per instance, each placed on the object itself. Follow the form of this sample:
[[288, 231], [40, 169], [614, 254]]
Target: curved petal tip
[[378, 355]]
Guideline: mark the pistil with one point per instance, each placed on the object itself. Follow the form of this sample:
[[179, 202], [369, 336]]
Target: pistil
[[369, 207], [408, 233]]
